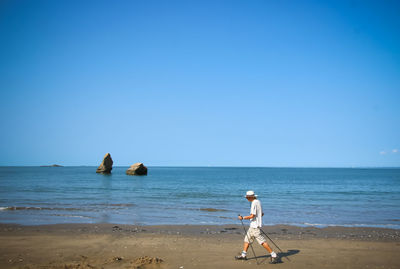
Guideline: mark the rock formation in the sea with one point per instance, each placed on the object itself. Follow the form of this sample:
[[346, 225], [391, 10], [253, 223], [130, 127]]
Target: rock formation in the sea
[[106, 165], [137, 169]]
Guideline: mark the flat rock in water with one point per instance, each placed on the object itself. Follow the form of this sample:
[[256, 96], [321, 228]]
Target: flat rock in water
[[137, 169], [106, 165]]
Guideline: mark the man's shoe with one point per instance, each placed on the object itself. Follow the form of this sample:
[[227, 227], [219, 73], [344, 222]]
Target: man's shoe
[[240, 257], [274, 260]]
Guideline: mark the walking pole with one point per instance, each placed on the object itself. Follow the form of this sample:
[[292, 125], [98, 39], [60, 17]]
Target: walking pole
[[251, 245], [273, 243]]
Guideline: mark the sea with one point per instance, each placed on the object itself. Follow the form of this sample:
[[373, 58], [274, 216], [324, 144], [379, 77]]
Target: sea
[[318, 197]]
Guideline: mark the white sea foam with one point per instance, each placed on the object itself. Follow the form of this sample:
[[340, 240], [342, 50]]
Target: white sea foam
[[72, 216], [320, 225]]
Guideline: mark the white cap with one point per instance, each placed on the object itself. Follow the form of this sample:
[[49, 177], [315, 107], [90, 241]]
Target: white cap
[[250, 194]]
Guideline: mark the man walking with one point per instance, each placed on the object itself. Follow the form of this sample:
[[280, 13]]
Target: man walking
[[255, 218]]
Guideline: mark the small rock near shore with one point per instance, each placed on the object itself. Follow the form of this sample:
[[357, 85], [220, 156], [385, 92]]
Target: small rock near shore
[[137, 169], [106, 165]]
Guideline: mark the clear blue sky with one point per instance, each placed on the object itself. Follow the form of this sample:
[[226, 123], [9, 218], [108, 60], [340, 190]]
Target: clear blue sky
[[224, 83]]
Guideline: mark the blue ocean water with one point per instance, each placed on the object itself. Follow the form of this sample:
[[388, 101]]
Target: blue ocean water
[[200, 195]]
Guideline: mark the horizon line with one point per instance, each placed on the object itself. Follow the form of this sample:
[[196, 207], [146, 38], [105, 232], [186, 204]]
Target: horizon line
[[221, 166]]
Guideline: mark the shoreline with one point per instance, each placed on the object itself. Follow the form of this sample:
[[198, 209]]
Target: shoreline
[[110, 246], [280, 231]]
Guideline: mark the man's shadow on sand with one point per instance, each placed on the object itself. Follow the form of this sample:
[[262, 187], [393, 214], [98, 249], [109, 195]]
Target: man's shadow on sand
[[281, 256]]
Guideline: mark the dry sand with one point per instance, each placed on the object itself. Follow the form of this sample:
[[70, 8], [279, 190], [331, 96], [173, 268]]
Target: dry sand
[[126, 246]]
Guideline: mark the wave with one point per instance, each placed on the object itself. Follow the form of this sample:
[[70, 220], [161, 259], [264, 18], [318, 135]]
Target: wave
[[117, 205], [14, 208], [85, 208], [72, 216], [209, 209], [324, 225]]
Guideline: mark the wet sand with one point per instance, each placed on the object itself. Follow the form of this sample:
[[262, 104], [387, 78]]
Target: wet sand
[[188, 246]]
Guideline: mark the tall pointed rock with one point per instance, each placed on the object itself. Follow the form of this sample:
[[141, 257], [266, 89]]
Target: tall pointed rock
[[106, 165]]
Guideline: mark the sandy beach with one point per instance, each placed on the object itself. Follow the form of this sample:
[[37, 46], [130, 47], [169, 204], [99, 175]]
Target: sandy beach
[[189, 246]]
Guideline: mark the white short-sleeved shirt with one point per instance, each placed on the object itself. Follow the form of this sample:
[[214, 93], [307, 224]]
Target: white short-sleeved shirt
[[256, 210]]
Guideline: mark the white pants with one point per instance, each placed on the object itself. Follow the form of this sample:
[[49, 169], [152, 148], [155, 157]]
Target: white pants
[[254, 233]]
